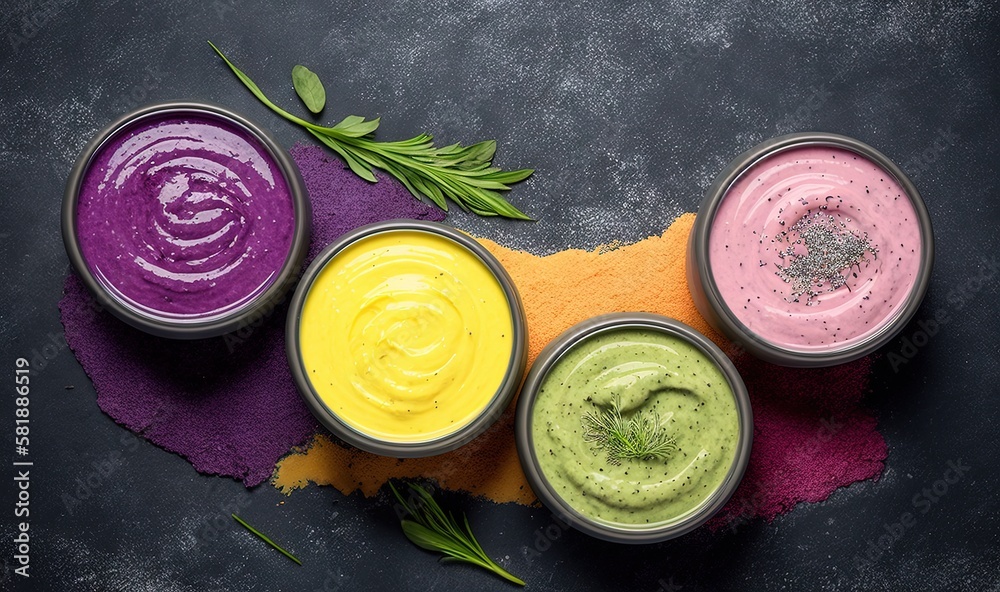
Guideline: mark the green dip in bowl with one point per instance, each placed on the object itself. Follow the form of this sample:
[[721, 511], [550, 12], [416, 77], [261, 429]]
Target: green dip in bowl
[[633, 427]]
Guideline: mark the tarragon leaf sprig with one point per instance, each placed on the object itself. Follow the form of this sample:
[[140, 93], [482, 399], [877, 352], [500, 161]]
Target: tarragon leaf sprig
[[461, 174], [428, 527]]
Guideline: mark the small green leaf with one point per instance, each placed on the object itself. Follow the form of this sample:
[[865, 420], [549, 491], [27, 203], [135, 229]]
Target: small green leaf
[[484, 183], [462, 175], [359, 129], [359, 168], [429, 191], [484, 151], [422, 536], [349, 121], [510, 176], [309, 88], [450, 149]]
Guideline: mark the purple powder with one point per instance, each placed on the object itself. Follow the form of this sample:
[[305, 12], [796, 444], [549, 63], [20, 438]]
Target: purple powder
[[228, 405]]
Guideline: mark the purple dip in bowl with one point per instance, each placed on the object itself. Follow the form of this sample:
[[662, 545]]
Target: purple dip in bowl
[[186, 220]]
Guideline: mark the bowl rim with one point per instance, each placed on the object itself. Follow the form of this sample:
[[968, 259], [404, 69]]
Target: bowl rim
[[524, 438], [238, 318], [709, 301], [497, 404]]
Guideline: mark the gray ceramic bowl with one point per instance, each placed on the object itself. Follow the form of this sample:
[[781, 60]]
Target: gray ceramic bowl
[[243, 315], [711, 304], [497, 404], [615, 532]]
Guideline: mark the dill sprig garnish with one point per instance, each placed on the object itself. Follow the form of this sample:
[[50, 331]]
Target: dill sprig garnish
[[641, 436], [430, 528]]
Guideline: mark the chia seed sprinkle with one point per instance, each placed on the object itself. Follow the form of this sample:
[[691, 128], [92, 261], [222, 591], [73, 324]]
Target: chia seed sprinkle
[[830, 250]]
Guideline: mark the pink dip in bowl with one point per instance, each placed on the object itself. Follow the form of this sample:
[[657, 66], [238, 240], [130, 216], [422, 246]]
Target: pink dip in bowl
[[816, 252]]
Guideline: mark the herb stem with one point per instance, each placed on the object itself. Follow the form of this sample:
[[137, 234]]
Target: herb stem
[[462, 174], [265, 539]]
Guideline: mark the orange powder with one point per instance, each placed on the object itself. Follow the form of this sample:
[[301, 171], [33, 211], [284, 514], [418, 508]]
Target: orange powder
[[558, 291]]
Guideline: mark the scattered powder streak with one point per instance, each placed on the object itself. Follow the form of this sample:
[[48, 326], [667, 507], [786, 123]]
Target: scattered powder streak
[[231, 408], [228, 405], [811, 434]]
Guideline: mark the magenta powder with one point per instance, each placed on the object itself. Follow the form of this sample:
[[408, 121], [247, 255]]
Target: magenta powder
[[228, 405], [811, 436]]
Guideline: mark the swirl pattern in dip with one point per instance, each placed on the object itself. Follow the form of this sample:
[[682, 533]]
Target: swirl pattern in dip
[[815, 248], [406, 335], [185, 217], [650, 372]]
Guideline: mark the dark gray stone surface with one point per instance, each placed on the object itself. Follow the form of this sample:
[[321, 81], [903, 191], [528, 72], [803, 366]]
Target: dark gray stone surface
[[627, 111]]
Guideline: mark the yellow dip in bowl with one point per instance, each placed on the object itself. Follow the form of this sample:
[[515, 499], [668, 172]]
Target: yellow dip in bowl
[[406, 338]]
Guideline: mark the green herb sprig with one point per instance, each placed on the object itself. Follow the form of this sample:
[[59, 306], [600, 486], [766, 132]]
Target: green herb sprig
[[639, 437], [462, 174], [265, 539], [430, 528]]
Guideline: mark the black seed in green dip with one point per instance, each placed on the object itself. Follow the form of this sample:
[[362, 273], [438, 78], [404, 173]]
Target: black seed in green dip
[[652, 372]]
